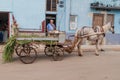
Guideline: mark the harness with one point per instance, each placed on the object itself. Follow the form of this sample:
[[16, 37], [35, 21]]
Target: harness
[[81, 32], [96, 29]]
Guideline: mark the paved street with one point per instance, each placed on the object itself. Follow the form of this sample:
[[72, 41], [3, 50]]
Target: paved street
[[72, 67]]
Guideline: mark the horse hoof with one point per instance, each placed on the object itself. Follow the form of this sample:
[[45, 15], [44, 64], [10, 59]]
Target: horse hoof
[[102, 50], [97, 54], [80, 55], [69, 52]]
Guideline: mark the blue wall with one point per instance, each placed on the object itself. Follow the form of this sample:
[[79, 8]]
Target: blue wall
[[115, 12], [29, 13], [6, 5], [61, 17], [82, 9]]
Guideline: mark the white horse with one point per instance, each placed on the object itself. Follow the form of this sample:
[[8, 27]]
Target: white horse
[[93, 35]]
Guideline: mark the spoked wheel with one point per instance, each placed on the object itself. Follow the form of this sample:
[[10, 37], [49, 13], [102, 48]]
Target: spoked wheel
[[18, 49], [58, 53], [48, 51], [28, 55]]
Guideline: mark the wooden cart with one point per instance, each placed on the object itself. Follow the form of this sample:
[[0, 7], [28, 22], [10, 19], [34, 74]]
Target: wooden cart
[[28, 54]]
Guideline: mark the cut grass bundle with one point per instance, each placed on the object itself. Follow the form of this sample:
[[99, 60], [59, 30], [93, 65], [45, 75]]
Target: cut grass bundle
[[22, 42], [9, 49], [11, 43]]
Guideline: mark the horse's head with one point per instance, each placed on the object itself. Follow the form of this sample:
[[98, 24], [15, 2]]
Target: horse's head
[[109, 27], [112, 29]]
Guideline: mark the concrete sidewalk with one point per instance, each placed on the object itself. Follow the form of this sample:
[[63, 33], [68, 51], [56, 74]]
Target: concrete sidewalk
[[111, 47], [105, 47], [1, 48], [84, 47]]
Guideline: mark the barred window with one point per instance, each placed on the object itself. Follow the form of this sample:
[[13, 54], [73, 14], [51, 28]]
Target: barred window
[[51, 5], [73, 22]]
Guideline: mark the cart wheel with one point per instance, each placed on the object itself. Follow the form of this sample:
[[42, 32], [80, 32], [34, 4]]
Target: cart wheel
[[28, 55], [48, 51], [18, 49], [58, 53]]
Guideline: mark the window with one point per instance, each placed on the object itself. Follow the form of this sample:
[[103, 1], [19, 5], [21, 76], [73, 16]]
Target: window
[[73, 22], [51, 5]]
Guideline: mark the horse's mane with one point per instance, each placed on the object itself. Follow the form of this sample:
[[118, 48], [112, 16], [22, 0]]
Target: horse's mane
[[108, 24]]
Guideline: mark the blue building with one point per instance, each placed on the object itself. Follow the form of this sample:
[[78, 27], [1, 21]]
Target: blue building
[[67, 14]]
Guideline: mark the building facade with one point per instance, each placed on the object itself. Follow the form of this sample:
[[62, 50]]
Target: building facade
[[67, 14]]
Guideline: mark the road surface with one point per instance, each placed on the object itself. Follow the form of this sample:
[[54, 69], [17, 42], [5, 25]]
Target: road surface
[[72, 67]]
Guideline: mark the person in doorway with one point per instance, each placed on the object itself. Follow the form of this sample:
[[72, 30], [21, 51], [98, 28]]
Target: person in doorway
[[51, 26]]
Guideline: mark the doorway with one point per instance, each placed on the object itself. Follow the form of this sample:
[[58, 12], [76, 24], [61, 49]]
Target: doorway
[[4, 26], [48, 18]]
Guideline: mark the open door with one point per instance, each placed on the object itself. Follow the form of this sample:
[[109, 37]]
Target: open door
[[48, 18], [4, 26]]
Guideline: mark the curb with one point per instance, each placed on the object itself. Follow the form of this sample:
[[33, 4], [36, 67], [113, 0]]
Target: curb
[[88, 48]]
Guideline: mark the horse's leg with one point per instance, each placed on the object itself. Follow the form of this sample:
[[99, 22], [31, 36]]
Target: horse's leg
[[96, 49], [101, 42], [79, 48]]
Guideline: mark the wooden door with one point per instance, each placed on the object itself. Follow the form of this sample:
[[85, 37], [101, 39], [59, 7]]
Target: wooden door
[[98, 20]]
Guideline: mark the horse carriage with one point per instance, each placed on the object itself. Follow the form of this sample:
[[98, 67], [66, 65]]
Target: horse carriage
[[55, 44]]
